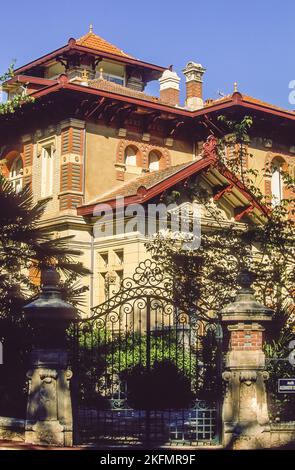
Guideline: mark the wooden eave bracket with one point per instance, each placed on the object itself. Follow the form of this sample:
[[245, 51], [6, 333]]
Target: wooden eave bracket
[[243, 212], [225, 189]]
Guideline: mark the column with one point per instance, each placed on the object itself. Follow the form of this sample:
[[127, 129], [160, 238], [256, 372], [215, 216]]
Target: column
[[49, 418], [245, 412]]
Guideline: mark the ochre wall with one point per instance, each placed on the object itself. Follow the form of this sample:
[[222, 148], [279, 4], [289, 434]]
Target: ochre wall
[[101, 163]]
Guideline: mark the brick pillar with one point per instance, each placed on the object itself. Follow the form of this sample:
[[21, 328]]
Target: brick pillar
[[49, 418], [245, 413], [194, 85]]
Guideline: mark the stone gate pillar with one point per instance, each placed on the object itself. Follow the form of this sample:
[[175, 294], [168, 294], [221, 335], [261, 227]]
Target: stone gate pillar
[[245, 412], [49, 412]]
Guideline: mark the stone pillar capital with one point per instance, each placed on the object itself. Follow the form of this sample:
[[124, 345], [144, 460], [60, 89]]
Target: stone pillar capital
[[193, 72], [245, 308], [49, 315]]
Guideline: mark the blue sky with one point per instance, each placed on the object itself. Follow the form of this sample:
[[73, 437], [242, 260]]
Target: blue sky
[[251, 42]]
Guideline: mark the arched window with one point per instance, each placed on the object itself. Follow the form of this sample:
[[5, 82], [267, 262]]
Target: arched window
[[130, 155], [154, 161], [16, 174], [276, 182]]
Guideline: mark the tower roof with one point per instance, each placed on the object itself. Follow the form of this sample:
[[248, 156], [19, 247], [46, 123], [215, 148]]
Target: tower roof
[[93, 41]]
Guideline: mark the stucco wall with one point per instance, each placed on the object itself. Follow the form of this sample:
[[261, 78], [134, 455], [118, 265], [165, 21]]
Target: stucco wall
[[102, 144]]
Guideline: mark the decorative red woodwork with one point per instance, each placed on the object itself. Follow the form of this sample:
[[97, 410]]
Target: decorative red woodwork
[[222, 191], [209, 147], [243, 212]]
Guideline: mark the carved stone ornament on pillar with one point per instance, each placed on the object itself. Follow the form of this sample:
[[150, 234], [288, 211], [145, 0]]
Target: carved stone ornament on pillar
[[245, 413], [49, 410]]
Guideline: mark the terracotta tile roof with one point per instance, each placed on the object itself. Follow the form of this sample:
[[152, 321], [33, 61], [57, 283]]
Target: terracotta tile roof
[[146, 181], [250, 99], [93, 41], [210, 101], [105, 85], [264, 103]]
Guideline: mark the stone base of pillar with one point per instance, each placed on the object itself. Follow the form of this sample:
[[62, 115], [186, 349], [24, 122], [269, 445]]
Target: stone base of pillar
[[245, 437], [49, 433], [49, 412]]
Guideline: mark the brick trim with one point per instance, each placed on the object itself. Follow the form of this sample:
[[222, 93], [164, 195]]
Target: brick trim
[[246, 340], [71, 168], [142, 157], [72, 141]]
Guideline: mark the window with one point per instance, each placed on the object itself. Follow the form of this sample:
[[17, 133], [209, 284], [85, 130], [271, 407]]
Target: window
[[113, 79], [130, 156], [103, 259], [276, 182], [119, 257], [154, 161], [47, 171], [16, 174]]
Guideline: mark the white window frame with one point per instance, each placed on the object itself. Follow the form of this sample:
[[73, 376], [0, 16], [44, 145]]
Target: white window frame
[[154, 165], [130, 160], [276, 183], [110, 77], [16, 178], [47, 170]]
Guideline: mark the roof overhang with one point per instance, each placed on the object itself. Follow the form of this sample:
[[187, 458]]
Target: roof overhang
[[72, 47], [27, 79], [236, 100], [62, 97]]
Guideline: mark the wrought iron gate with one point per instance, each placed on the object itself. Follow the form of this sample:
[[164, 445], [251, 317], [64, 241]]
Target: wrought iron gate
[[146, 372]]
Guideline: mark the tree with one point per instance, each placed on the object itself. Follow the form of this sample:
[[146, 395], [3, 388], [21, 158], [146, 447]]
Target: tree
[[25, 246], [206, 279]]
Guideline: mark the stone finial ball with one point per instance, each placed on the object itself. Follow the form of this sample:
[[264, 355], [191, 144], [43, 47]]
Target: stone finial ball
[[50, 277]]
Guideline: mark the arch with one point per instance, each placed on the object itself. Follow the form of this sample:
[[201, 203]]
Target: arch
[[131, 155], [8, 160], [156, 160], [142, 156]]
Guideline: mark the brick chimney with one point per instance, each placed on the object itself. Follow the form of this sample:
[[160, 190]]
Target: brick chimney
[[169, 87], [194, 85]]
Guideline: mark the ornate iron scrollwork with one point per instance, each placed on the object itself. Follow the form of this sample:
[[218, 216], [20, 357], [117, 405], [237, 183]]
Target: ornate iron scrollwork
[[148, 280]]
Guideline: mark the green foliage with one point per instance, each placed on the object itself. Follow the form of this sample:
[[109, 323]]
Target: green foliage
[[277, 351], [24, 244], [108, 361], [18, 100], [205, 279], [8, 74]]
